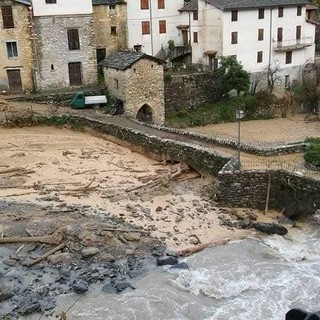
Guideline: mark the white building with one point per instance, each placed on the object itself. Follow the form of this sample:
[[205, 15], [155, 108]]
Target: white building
[[152, 23], [261, 34], [64, 43]]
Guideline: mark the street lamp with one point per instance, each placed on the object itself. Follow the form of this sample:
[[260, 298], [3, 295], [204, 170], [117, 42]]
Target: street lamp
[[239, 116]]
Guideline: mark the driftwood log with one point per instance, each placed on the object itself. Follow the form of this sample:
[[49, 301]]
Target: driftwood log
[[54, 239], [44, 256]]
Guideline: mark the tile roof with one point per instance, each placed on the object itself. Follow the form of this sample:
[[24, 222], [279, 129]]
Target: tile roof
[[249, 4], [26, 2], [190, 6], [123, 60]]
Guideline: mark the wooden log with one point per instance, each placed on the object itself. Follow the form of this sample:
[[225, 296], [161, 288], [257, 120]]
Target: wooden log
[[54, 239], [44, 256], [124, 230]]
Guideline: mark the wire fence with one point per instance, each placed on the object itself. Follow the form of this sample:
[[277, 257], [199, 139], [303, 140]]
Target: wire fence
[[293, 167]]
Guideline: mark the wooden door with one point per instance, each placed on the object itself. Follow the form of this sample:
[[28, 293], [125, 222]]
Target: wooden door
[[185, 37], [14, 78], [75, 74]]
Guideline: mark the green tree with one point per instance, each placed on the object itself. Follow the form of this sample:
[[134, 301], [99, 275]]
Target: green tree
[[231, 76]]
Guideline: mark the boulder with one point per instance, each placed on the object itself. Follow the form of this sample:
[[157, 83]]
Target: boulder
[[132, 236], [270, 228], [181, 265], [89, 252], [80, 287], [167, 260], [299, 314], [123, 285], [109, 288], [5, 294]]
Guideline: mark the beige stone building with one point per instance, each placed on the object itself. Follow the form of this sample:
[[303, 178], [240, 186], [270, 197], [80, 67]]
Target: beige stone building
[[137, 79], [16, 71], [110, 26]]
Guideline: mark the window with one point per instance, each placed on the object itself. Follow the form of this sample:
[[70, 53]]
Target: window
[[51, 1], [7, 17], [299, 10], [280, 34], [260, 34], [101, 54], [195, 15], [288, 57], [12, 49], [280, 12], [161, 4], [112, 7], [137, 47], [116, 83], [259, 56], [73, 39], [261, 14], [195, 37], [144, 4], [234, 15], [162, 26], [113, 31], [234, 37], [145, 25], [298, 32]]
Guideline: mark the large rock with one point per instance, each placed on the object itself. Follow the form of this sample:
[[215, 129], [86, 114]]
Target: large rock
[[167, 260], [299, 314], [5, 294], [132, 236], [80, 287], [270, 228], [89, 252]]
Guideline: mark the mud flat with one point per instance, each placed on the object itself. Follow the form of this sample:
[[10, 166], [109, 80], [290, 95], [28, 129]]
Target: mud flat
[[109, 213]]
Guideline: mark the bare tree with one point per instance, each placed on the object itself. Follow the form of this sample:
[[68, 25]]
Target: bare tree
[[273, 74]]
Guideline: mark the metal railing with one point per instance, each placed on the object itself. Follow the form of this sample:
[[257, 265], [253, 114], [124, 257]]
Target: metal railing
[[293, 43]]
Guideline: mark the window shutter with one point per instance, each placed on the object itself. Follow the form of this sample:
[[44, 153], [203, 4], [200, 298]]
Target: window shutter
[[162, 26], [7, 17]]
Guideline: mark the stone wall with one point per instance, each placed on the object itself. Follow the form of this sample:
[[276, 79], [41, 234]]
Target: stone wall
[[21, 34], [54, 55], [199, 158], [296, 195], [104, 19], [183, 92]]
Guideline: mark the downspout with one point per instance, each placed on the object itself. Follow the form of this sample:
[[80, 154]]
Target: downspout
[[189, 28], [270, 47], [35, 67], [151, 28]]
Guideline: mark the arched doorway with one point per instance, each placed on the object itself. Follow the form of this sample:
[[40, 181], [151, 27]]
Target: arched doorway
[[145, 114]]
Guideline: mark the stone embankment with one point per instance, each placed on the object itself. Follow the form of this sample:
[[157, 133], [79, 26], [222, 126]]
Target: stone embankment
[[283, 190]]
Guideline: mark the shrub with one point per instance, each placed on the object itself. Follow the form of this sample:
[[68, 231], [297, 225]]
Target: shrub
[[312, 154]]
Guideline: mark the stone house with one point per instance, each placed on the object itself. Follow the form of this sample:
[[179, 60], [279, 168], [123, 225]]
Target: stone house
[[64, 44], [137, 79], [110, 26], [16, 73]]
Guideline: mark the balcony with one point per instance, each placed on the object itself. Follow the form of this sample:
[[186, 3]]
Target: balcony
[[293, 44], [180, 51]]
